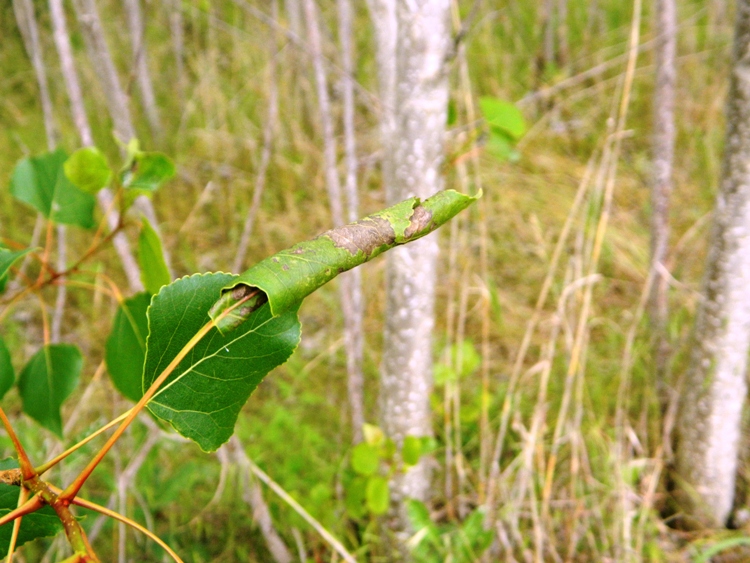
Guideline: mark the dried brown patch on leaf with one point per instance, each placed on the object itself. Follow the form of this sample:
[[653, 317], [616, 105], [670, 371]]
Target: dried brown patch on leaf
[[419, 222], [11, 477], [363, 236]]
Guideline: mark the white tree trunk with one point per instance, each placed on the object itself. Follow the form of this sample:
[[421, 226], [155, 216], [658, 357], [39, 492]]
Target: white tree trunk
[[73, 87], [350, 294], [664, 138], [352, 281], [138, 46], [711, 412], [96, 45], [413, 41], [118, 102]]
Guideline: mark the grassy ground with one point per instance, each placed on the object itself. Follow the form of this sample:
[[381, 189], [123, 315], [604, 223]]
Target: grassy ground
[[584, 460]]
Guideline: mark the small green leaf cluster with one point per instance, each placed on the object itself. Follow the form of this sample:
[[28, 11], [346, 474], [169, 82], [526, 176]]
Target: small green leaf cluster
[[463, 542], [462, 360], [62, 188], [506, 127], [373, 462]]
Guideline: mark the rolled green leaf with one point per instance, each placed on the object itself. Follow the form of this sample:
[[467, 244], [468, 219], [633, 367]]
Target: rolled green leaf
[[291, 275]]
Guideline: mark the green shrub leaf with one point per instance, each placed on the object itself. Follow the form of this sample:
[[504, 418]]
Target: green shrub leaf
[[355, 500], [147, 171], [377, 494], [203, 396], [503, 116], [7, 374], [40, 181], [154, 271], [412, 450], [47, 380], [88, 170], [125, 350], [7, 257], [365, 460]]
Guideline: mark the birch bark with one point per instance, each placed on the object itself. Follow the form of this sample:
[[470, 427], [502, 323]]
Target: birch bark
[[663, 147], [711, 411], [352, 281], [413, 41], [350, 294]]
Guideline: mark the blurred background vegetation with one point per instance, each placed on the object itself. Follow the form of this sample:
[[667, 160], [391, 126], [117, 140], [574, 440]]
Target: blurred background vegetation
[[579, 493]]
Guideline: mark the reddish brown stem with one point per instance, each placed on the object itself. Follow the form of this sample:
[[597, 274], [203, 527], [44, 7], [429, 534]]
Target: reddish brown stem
[[27, 468], [31, 505]]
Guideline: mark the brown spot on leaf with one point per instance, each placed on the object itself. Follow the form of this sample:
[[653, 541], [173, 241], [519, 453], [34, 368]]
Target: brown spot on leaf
[[418, 222], [363, 236], [11, 477], [241, 291]]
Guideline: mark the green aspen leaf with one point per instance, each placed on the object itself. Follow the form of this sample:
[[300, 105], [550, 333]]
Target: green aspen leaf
[[501, 147], [147, 171], [355, 500], [377, 494], [365, 459], [40, 524], [87, 169], [443, 374], [7, 257], [47, 380], [40, 181], [202, 398], [291, 275], [473, 539], [154, 271], [418, 514], [125, 351], [7, 374], [411, 450], [503, 116]]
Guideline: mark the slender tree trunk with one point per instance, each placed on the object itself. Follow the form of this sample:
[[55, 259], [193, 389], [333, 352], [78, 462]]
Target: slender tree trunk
[[413, 40], [96, 45], [140, 65], [294, 15], [73, 87], [118, 103], [265, 155], [349, 287], [351, 281], [664, 138], [24, 10], [177, 30], [709, 422]]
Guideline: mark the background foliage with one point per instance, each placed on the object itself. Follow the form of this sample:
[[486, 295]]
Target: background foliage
[[295, 425]]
